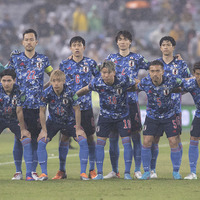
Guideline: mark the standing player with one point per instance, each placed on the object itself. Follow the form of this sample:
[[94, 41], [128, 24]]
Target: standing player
[[114, 113], [173, 68], [161, 115], [79, 71], [193, 86], [127, 63], [30, 67], [64, 114]]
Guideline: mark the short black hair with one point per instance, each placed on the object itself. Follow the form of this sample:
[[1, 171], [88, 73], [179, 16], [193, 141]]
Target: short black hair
[[168, 38], [8, 72], [125, 33], [30, 31], [77, 39], [196, 66], [156, 62]]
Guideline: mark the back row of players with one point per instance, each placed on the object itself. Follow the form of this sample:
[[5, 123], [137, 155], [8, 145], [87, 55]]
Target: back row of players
[[71, 113]]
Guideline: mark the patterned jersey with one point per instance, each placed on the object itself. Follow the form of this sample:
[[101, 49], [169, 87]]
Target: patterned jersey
[[129, 65], [192, 87], [113, 99], [30, 76], [160, 104], [8, 104], [60, 107], [178, 69], [79, 75]]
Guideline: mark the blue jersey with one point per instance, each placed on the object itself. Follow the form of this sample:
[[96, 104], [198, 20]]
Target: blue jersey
[[160, 104], [178, 69], [79, 75], [60, 107], [129, 65], [8, 104], [30, 76], [113, 99], [194, 89]]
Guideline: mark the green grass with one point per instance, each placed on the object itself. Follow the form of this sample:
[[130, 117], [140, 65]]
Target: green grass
[[73, 188]]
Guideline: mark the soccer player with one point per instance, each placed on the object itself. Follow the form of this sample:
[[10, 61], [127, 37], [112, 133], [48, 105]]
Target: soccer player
[[114, 113], [30, 67], [127, 63], [64, 114], [161, 115], [173, 67], [193, 86], [11, 100], [79, 71]]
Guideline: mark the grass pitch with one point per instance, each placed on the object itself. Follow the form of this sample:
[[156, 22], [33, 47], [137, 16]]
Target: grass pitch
[[73, 188]]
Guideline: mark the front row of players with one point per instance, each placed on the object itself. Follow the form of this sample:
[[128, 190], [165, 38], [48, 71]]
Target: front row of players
[[65, 116]]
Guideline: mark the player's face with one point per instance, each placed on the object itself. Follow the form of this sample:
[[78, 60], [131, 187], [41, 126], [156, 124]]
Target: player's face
[[7, 83], [156, 72], [197, 76], [167, 48], [29, 42], [77, 49], [123, 43], [57, 84], [108, 76]]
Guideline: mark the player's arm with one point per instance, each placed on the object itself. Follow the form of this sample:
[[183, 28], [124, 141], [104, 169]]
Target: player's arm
[[43, 132], [48, 70], [134, 87], [20, 116], [81, 92]]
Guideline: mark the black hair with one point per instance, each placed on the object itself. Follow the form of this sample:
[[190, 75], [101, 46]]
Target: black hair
[[30, 31], [168, 38], [156, 62], [8, 72], [77, 39], [196, 66], [125, 33]]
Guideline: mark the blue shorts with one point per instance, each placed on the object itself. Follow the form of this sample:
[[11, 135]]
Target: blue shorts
[[195, 127], [105, 126], [14, 128], [154, 127], [53, 128]]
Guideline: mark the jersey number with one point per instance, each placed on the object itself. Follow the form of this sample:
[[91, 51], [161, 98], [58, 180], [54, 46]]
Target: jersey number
[[112, 100], [127, 123], [31, 74], [77, 79]]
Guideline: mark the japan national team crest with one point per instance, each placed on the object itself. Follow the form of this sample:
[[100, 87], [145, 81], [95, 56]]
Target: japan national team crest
[[86, 69], [65, 101], [166, 92], [39, 63], [175, 71], [131, 63], [14, 100], [119, 91]]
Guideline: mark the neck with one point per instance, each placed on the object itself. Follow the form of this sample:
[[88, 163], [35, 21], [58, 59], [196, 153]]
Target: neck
[[168, 58], [124, 52], [30, 54], [77, 59]]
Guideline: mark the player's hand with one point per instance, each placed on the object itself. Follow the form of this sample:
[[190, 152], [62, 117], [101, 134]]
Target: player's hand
[[178, 56], [25, 133], [43, 134], [80, 132]]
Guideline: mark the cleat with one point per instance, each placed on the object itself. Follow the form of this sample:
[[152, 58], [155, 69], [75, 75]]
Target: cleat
[[35, 175], [84, 177], [98, 177], [137, 175], [17, 176], [127, 176], [92, 174], [145, 176], [112, 175], [153, 174], [60, 175], [176, 176], [191, 176], [30, 178], [43, 177]]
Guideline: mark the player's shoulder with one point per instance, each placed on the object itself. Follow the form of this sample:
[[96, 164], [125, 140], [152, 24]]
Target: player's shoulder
[[135, 56], [180, 62]]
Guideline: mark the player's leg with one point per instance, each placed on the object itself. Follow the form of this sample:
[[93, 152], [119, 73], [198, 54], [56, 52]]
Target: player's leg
[[179, 125]]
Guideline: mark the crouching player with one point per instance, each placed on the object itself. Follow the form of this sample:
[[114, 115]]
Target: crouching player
[[64, 114], [114, 113]]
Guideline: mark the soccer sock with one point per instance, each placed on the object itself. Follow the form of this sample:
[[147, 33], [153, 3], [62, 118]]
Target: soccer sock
[[91, 148], [83, 153], [146, 158], [42, 155], [126, 141], [176, 158], [154, 153], [137, 150], [63, 151], [28, 155], [35, 158], [193, 155], [114, 153], [17, 154], [100, 155]]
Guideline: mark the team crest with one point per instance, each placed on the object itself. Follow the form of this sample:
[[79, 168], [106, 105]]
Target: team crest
[[65, 101], [144, 127], [175, 71], [119, 91], [166, 92], [97, 129], [39, 63], [14, 100], [86, 69], [131, 63]]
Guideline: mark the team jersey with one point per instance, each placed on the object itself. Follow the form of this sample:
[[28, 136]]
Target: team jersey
[[192, 87], [30, 76], [9, 103], [79, 75], [178, 69], [113, 99], [129, 65], [60, 107], [160, 104]]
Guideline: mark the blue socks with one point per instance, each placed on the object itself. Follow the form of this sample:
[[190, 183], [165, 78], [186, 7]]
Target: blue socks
[[114, 153], [176, 157], [154, 152], [17, 154], [100, 155], [137, 146], [146, 158], [126, 141], [92, 157], [63, 151], [193, 155]]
